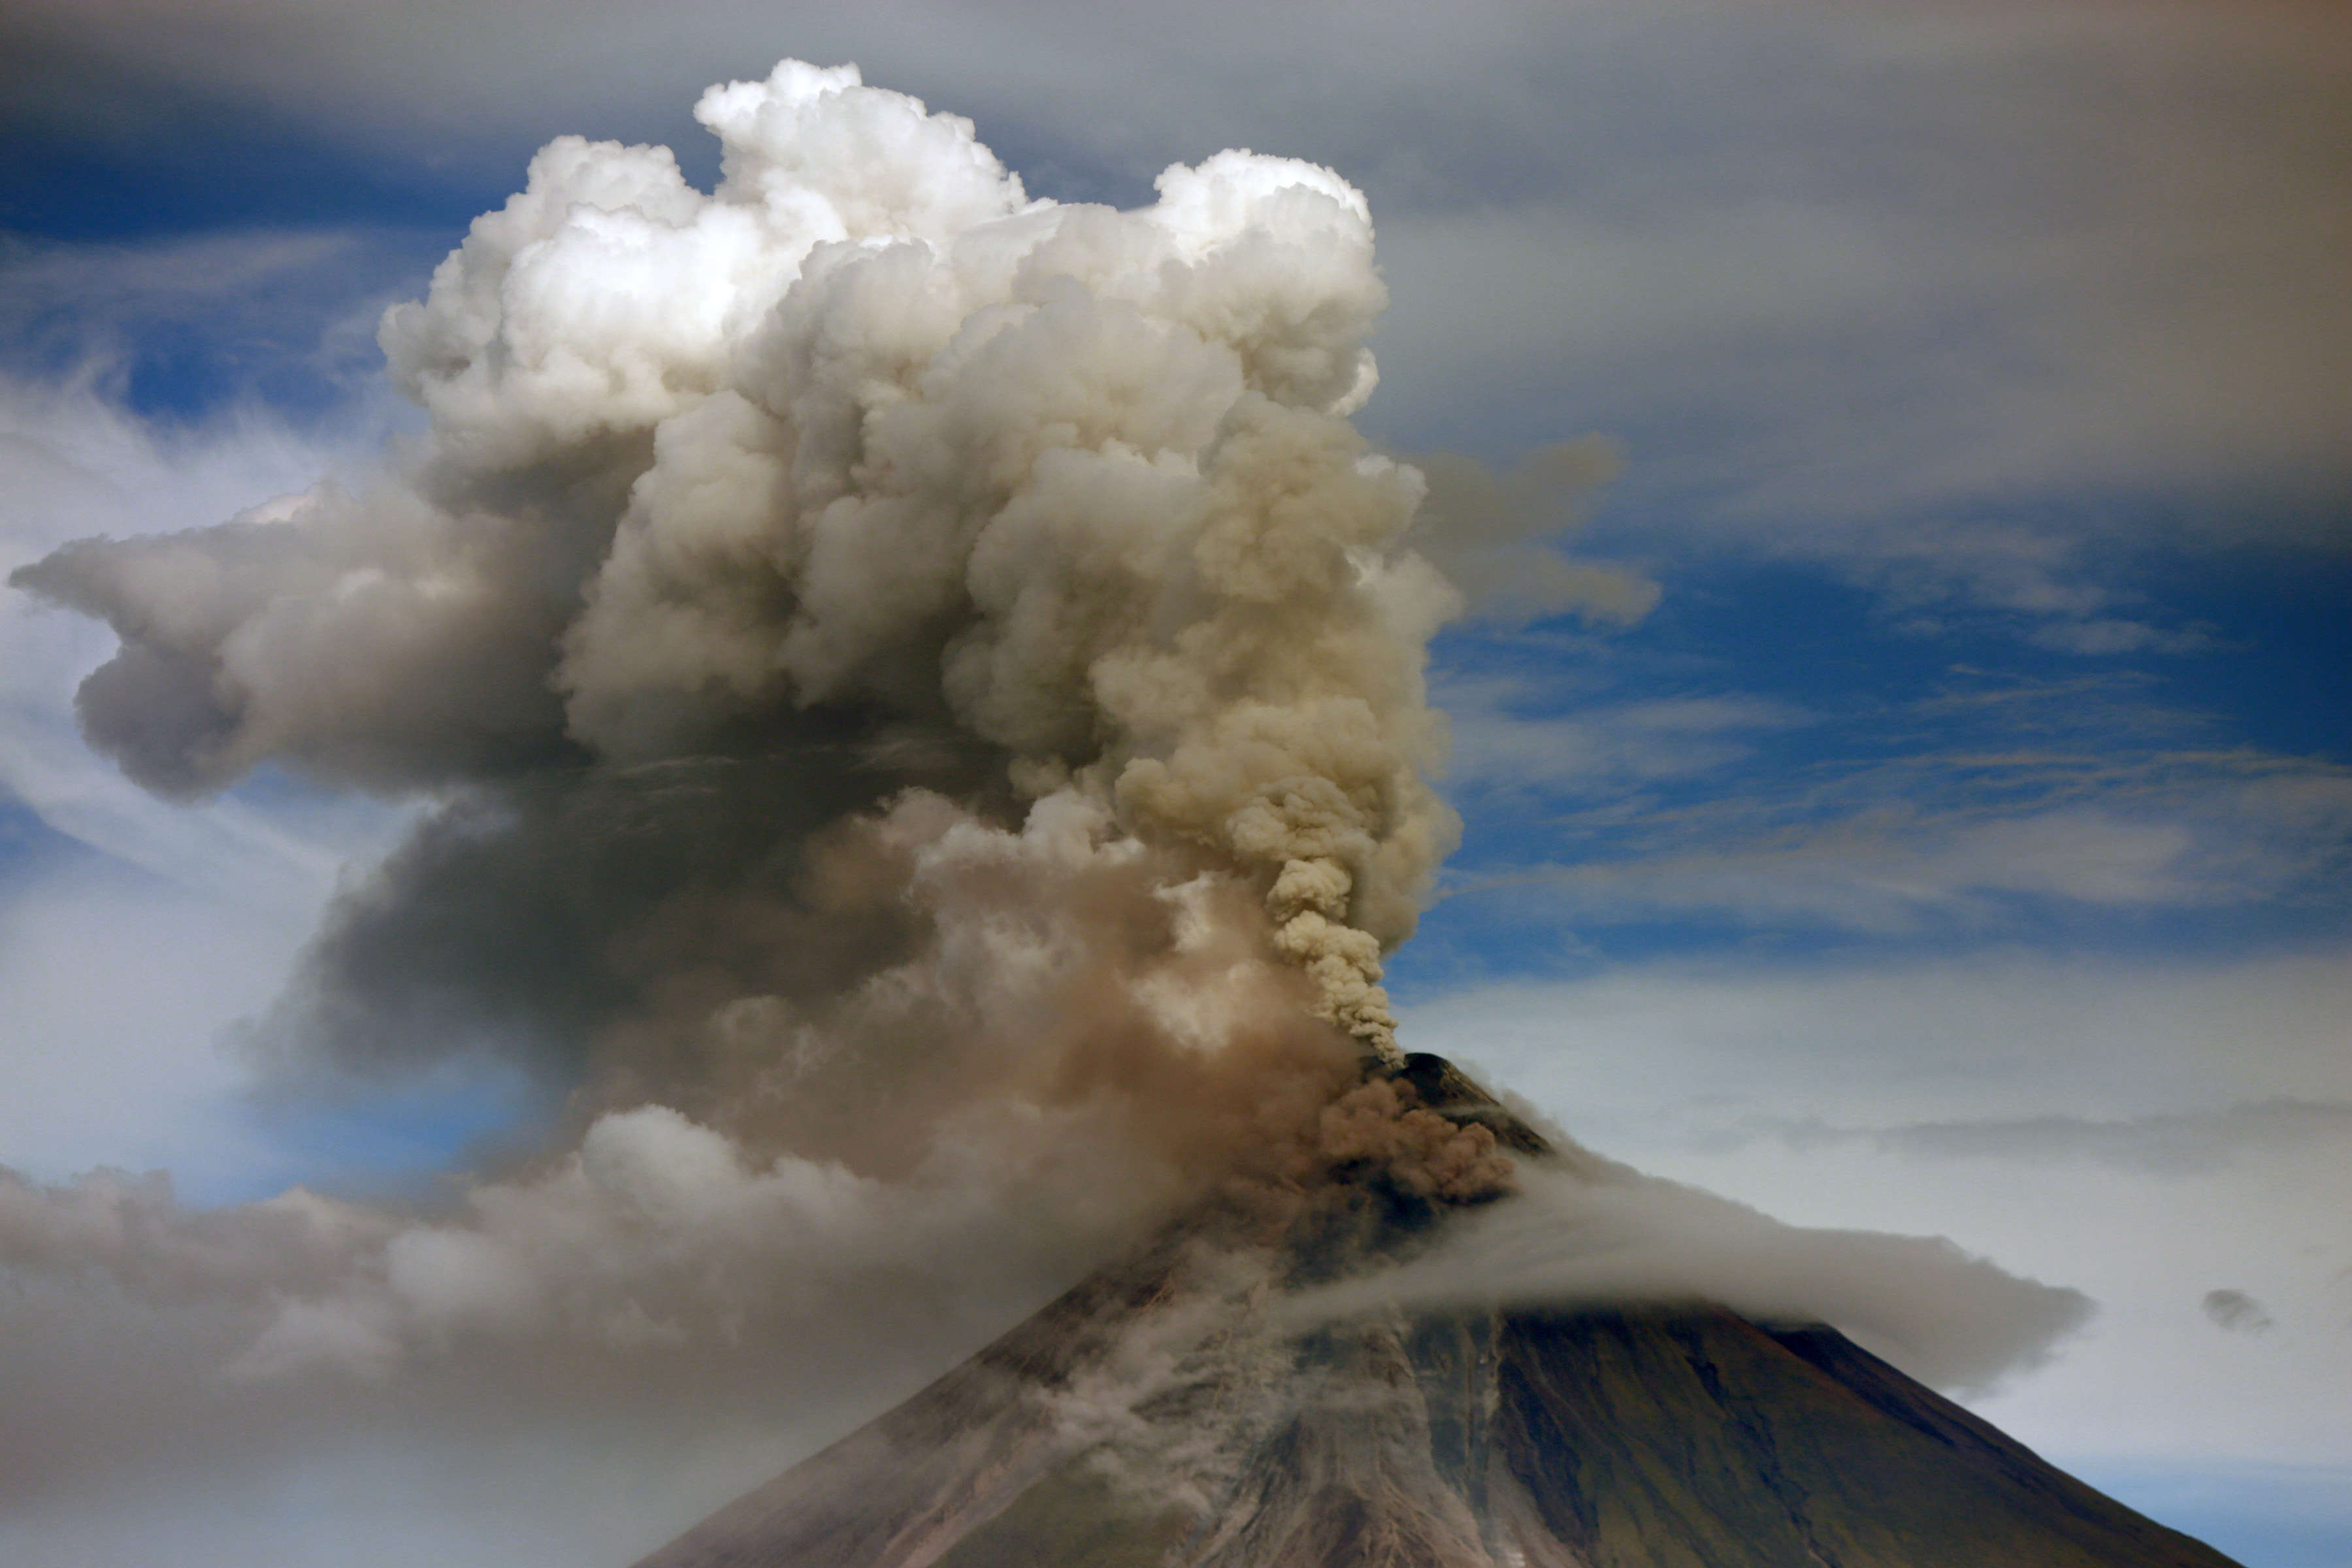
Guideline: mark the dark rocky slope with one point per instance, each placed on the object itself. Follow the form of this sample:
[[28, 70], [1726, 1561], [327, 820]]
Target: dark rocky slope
[[1168, 1412]]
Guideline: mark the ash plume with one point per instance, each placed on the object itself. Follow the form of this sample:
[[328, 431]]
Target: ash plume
[[908, 683], [917, 695], [741, 513]]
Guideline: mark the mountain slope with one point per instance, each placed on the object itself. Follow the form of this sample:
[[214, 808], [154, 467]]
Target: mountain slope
[[1170, 1413]]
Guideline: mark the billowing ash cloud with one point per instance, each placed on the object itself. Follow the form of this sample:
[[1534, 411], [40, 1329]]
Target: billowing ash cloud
[[740, 514], [920, 694]]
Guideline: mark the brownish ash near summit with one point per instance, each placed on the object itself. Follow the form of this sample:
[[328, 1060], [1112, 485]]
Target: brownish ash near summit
[[1178, 1409]]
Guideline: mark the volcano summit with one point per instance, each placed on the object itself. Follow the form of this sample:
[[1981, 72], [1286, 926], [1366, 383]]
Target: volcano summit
[[1177, 1410]]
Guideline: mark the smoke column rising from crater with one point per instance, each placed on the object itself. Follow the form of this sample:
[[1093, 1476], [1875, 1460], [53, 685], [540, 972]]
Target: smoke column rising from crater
[[919, 698], [919, 692]]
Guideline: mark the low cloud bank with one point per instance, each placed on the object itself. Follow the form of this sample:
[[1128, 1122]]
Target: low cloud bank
[[1597, 1233]]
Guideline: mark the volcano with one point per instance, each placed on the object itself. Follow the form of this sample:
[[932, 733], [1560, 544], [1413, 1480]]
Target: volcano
[[1180, 1409]]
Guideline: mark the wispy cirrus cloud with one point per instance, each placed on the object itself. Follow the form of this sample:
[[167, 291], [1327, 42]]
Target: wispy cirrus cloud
[[1960, 809], [1596, 747], [132, 931], [2166, 1143], [74, 461], [1897, 871]]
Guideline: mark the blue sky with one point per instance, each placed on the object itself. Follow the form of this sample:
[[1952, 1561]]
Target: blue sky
[[1958, 846]]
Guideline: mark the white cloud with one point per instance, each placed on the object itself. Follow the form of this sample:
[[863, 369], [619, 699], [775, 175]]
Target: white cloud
[[1992, 1035], [122, 967], [1883, 873], [263, 303], [1595, 749], [1579, 1236], [2167, 1143], [1904, 845]]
